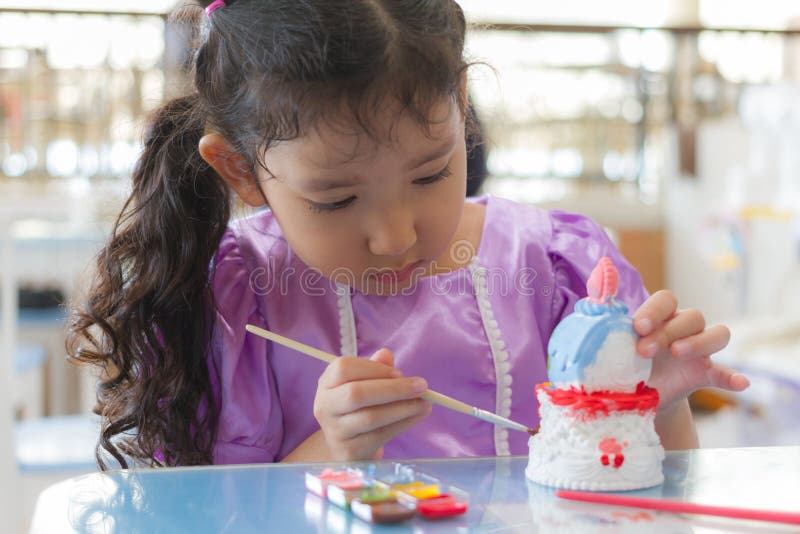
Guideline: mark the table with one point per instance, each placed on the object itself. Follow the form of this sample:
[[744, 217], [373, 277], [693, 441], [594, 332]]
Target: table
[[272, 498]]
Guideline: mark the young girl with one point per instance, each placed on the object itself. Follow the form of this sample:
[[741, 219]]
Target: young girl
[[347, 119]]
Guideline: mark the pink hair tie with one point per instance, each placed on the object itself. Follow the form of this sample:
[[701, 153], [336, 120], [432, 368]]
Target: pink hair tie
[[213, 6]]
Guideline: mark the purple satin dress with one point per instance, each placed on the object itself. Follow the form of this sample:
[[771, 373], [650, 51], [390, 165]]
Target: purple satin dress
[[478, 334]]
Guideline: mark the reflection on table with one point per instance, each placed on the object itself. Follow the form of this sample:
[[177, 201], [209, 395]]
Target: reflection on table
[[273, 498]]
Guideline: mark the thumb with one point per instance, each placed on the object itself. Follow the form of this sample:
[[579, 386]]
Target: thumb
[[383, 356]]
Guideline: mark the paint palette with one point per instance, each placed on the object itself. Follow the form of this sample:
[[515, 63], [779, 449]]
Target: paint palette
[[318, 483], [387, 494]]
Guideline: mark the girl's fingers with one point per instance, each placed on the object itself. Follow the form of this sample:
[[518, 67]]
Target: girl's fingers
[[383, 356], [690, 375], [373, 418], [712, 340], [359, 394], [388, 432], [366, 444], [349, 368], [658, 308], [720, 376], [686, 323]]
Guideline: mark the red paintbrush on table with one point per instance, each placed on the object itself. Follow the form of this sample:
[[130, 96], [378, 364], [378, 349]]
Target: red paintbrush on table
[[680, 507]]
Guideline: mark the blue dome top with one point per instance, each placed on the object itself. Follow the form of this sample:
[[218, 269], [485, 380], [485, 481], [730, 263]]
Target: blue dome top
[[579, 336]]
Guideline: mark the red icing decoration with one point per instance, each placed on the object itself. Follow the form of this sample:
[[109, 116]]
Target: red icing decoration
[[591, 405], [603, 282]]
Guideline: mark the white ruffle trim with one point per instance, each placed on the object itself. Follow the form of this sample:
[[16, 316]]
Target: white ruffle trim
[[347, 322], [502, 367]]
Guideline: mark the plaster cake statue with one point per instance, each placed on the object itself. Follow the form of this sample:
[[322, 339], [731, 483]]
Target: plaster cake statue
[[597, 413]]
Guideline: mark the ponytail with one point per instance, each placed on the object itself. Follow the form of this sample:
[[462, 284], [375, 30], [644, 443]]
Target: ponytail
[[147, 318]]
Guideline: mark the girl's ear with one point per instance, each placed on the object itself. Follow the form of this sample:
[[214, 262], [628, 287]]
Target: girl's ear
[[231, 167]]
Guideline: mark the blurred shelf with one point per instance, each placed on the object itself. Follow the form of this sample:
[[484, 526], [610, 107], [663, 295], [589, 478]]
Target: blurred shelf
[[27, 357], [43, 317], [611, 28], [615, 205], [158, 8], [57, 444], [28, 316]]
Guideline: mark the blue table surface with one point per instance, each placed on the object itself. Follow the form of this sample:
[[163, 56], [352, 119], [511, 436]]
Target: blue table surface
[[273, 498]]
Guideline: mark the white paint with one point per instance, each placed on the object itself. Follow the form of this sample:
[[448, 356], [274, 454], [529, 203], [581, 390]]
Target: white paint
[[618, 367]]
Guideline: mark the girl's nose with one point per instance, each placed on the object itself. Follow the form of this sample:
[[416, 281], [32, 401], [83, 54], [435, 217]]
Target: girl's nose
[[392, 233]]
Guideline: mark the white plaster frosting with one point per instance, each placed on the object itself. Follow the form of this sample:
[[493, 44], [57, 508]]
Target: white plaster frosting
[[566, 452], [617, 367]]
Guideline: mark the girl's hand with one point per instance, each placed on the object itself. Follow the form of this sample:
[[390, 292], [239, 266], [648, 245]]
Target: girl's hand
[[361, 404], [681, 347]]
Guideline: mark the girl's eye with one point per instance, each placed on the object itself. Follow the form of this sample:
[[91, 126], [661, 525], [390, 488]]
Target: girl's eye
[[317, 207], [441, 175]]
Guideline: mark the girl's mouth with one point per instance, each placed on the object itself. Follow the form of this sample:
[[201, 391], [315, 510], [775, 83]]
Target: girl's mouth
[[400, 275]]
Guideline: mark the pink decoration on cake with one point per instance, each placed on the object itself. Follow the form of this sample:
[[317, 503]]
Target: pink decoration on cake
[[611, 448], [603, 282]]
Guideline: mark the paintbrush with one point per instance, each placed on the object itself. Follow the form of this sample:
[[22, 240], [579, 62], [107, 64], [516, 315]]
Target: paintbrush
[[430, 395]]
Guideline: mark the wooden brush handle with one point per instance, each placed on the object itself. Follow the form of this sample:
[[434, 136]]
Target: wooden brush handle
[[430, 395]]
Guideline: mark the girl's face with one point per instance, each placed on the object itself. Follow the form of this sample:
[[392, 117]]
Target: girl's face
[[373, 215]]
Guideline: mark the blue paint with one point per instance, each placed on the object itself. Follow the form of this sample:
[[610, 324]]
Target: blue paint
[[580, 335]]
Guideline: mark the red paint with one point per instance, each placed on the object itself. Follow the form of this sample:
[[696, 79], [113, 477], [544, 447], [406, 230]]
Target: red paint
[[349, 484], [444, 505], [597, 403], [330, 474], [318, 483]]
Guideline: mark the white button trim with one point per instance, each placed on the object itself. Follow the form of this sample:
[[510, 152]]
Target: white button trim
[[347, 322], [499, 355]]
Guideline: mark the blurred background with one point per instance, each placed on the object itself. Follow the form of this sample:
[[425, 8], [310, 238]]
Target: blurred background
[[674, 123]]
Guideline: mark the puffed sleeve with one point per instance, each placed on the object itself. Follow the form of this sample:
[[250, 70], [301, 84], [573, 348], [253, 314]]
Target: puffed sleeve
[[250, 423], [576, 245]]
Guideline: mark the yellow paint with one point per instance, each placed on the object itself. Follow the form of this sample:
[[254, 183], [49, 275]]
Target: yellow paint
[[424, 492], [418, 489]]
